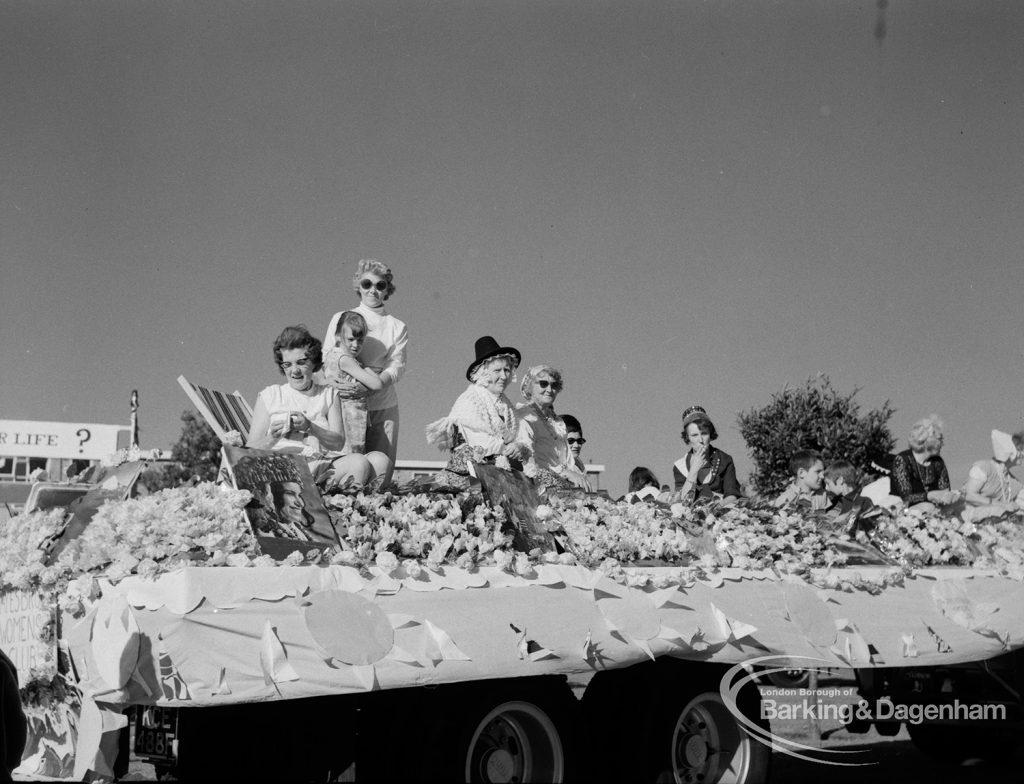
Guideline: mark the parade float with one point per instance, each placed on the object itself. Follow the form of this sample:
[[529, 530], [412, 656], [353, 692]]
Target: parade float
[[486, 635]]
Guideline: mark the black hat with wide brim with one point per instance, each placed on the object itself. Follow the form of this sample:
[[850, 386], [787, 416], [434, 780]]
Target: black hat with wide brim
[[487, 347]]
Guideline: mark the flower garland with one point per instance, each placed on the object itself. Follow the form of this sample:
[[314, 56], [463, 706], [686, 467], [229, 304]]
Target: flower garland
[[918, 538], [598, 529], [22, 557], [426, 528]]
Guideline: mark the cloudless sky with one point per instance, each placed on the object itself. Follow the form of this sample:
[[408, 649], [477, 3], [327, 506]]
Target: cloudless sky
[[672, 202]]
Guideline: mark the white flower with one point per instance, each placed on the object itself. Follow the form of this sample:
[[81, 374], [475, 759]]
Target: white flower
[[503, 560], [344, 557], [232, 438], [523, 567], [412, 568], [388, 562]]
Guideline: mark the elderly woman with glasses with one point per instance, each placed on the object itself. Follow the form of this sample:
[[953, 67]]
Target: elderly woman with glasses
[[552, 463], [383, 352], [482, 426]]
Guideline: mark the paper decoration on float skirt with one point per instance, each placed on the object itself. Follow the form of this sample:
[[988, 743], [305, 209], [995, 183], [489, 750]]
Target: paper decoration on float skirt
[[518, 497], [350, 630], [110, 483], [286, 512]]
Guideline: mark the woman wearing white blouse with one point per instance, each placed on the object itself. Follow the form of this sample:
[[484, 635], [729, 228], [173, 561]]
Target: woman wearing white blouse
[[551, 464], [383, 351]]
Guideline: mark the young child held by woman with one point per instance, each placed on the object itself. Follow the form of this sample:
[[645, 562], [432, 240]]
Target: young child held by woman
[[341, 361]]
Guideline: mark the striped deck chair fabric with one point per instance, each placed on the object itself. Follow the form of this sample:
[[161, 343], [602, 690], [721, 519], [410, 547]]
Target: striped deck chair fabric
[[222, 411]]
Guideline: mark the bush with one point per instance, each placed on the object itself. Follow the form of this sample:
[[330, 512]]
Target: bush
[[814, 416], [195, 456]]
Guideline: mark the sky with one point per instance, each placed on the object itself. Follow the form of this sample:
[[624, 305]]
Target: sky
[[674, 203]]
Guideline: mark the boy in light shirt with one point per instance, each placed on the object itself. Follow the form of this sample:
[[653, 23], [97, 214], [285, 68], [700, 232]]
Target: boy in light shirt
[[805, 492]]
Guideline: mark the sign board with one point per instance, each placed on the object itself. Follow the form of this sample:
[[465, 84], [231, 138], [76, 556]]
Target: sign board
[[74, 440], [22, 616]]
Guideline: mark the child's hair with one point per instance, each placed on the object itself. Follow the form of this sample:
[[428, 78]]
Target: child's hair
[[843, 471], [803, 458], [354, 321], [640, 477]]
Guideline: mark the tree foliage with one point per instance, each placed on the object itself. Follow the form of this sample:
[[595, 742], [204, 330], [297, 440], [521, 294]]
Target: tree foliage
[[814, 416], [195, 456]]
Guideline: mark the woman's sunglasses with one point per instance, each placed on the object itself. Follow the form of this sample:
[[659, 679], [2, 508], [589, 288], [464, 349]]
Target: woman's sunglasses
[[366, 284], [543, 383], [581, 441]]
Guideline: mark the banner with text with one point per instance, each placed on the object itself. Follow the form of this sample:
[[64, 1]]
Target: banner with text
[[58, 439], [23, 616]]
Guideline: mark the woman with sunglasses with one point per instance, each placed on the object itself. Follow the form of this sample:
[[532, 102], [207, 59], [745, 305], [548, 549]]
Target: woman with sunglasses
[[551, 464], [383, 352], [574, 435]]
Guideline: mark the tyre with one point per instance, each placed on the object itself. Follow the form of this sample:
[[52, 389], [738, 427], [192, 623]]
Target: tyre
[[958, 742], [506, 732], [666, 721], [707, 743], [697, 737]]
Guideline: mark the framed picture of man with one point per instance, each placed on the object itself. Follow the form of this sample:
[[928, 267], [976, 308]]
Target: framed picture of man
[[286, 512]]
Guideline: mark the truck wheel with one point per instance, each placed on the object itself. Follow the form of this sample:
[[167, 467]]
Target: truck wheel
[[702, 741], [958, 742], [507, 735]]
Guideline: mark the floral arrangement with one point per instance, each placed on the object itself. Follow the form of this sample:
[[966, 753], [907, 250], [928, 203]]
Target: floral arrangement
[[22, 549], [144, 535], [156, 533], [765, 537], [597, 529], [425, 528], [919, 538], [416, 530]]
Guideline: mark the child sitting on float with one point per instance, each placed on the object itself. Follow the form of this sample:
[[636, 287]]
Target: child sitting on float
[[805, 492]]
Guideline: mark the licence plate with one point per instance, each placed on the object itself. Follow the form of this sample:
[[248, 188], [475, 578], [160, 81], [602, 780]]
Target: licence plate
[[156, 730]]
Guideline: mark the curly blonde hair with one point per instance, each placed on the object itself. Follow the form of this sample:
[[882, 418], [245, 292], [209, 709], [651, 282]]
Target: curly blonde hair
[[531, 376], [375, 267], [926, 433]]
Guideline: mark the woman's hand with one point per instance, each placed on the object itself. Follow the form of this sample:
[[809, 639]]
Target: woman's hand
[[698, 457], [300, 422], [942, 497], [515, 451], [279, 426]]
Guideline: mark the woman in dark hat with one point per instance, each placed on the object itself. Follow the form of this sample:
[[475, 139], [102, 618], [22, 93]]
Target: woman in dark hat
[[705, 471], [482, 426]]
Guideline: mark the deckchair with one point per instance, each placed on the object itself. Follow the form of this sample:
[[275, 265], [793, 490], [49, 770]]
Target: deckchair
[[222, 411]]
